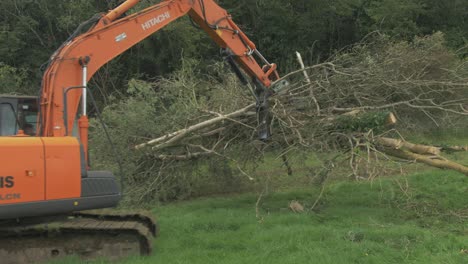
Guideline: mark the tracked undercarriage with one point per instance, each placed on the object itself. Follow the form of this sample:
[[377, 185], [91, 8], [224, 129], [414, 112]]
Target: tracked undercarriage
[[92, 234]]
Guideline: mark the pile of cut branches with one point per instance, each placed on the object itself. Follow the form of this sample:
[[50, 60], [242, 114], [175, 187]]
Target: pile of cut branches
[[351, 101], [354, 104]]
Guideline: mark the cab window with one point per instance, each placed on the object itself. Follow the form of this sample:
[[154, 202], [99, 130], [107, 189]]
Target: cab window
[[8, 120]]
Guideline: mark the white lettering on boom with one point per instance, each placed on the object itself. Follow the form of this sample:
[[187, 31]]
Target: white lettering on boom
[[156, 20]]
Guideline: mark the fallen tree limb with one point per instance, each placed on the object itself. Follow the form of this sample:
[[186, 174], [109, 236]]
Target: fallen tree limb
[[171, 138], [431, 161], [188, 156]]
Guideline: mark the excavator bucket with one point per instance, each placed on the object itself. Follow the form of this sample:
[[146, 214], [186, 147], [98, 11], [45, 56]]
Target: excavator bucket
[[263, 111]]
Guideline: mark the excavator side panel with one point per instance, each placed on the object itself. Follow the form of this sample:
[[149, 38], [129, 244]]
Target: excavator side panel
[[22, 170], [44, 176], [63, 168]]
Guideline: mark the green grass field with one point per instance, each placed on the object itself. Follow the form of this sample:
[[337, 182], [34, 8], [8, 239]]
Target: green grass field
[[422, 218]]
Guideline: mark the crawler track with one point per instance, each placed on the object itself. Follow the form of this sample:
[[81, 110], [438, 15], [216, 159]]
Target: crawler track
[[95, 234]]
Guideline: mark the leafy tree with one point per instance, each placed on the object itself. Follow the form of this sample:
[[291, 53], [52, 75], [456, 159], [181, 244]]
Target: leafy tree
[[12, 80]]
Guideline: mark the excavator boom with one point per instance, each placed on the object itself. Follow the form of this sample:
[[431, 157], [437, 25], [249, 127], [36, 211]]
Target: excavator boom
[[70, 68]]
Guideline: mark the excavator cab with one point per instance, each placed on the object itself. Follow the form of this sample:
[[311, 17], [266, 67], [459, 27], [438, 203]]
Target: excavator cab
[[42, 181], [47, 175], [18, 113]]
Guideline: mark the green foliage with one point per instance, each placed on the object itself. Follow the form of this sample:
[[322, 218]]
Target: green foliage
[[317, 28], [32, 30], [396, 17], [12, 80], [375, 121]]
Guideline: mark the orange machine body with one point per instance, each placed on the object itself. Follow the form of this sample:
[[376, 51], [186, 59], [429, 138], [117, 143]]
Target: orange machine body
[[25, 162]]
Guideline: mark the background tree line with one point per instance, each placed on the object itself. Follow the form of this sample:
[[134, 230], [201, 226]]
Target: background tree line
[[31, 30]]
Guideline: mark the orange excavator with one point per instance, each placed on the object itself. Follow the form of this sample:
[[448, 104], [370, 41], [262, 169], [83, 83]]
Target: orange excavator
[[46, 185]]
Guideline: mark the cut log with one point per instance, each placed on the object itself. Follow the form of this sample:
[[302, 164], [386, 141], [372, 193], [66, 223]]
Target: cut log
[[401, 144], [391, 120]]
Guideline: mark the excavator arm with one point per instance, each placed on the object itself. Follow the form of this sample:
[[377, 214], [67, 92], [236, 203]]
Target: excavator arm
[[77, 60]]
